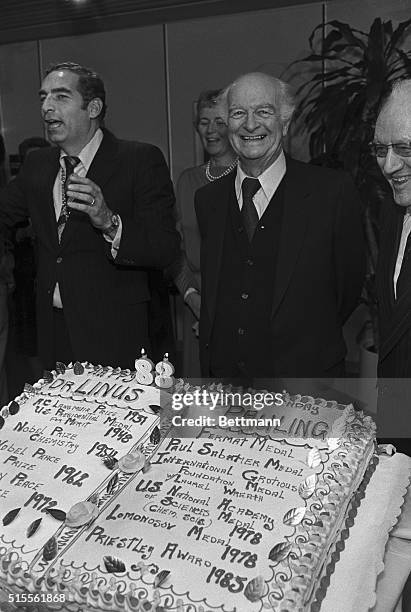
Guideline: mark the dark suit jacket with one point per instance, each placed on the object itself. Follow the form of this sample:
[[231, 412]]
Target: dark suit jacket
[[394, 316], [394, 354], [320, 267], [99, 295]]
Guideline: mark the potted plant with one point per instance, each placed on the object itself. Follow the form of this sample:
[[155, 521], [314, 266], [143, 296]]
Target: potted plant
[[353, 70]]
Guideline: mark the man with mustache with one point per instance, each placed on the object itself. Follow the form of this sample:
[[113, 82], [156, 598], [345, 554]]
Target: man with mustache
[[101, 209], [392, 149], [282, 257]]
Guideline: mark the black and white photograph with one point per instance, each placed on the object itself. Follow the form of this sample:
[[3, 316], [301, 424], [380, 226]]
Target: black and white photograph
[[205, 305]]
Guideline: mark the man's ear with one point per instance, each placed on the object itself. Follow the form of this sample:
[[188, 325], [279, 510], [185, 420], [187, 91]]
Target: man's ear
[[94, 108]]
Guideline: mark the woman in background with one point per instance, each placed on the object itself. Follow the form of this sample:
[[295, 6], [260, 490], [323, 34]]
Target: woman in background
[[210, 123]]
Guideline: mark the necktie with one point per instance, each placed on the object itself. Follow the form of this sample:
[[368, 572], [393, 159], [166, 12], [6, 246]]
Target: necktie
[[249, 187], [70, 164], [404, 278]]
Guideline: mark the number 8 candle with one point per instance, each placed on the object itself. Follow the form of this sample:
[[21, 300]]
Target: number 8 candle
[[165, 371], [144, 366]]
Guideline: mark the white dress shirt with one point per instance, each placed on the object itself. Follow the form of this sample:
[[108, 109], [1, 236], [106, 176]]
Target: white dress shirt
[[269, 180], [86, 157], [406, 229]]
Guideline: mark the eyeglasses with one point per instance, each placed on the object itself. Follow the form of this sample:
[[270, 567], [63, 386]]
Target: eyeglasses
[[401, 149]]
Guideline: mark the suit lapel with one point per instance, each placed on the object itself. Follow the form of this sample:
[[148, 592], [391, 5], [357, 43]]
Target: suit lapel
[[294, 225], [47, 201], [105, 161], [391, 226], [224, 196]]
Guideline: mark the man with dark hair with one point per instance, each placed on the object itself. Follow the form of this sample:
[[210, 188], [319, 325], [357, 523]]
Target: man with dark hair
[[102, 211], [281, 250], [89, 85]]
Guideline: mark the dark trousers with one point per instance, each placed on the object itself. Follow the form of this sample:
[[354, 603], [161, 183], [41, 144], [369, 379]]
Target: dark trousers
[[62, 348]]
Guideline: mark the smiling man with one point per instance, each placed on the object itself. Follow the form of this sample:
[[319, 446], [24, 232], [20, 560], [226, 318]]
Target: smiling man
[[392, 149], [282, 257], [101, 209]]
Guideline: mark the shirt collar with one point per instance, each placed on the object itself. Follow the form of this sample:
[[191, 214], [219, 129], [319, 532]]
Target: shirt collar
[[88, 152], [269, 179]]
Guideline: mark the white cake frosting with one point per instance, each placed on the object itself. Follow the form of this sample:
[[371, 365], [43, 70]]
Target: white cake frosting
[[52, 448], [235, 519]]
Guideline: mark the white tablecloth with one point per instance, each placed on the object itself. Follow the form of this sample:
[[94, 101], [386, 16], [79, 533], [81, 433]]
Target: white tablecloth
[[373, 567]]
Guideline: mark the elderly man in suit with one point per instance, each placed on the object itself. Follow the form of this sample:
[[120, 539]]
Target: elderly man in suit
[[282, 250], [101, 209], [392, 148]]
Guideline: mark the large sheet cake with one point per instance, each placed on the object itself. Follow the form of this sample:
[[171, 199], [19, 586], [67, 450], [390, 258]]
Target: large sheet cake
[[111, 501]]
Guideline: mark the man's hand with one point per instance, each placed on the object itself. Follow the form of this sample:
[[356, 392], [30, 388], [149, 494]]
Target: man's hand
[[193, 301], [90, 200]]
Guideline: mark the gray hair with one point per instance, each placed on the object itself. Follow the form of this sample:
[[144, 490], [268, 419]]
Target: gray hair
[[396, 87], [284, 101]]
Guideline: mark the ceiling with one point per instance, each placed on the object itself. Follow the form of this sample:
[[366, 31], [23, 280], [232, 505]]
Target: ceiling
[[37, 19]]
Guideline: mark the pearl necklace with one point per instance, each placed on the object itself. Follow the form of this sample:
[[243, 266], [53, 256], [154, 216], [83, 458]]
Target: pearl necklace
[[212, 178]]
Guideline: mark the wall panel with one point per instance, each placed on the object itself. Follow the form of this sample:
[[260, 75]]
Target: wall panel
[[19, 85], [361, 14]]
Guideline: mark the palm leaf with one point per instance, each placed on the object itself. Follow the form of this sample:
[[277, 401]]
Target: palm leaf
[[349, 33], [313, 33], [332, 37], [397, 35], [388, 29], [406, 60]]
